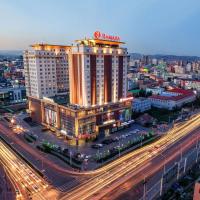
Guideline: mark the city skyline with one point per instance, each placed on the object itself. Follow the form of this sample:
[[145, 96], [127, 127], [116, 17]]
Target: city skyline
[[147, 27], [99, 100]]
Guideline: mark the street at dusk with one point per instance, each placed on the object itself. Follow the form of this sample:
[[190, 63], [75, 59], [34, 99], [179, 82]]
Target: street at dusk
[[99, 100]]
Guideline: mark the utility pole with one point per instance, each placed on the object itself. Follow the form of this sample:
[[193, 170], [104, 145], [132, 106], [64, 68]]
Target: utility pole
[[141, 138], [144, 189], [169, 119], [70, 161], [185, 165], [178, 173], [98, 153], [181, 152], [119, 148], [164, 169], [42, 164], [161, 186], [197, 148]]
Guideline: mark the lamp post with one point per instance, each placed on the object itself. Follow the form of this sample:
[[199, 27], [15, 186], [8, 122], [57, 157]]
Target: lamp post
[[181, 151], [70, 161], [197, 148], [141, 139], [12, 121], [119, 148], [144, 189], [164, 169]]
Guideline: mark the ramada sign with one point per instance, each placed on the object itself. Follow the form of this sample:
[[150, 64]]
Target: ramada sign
[[103, 36]]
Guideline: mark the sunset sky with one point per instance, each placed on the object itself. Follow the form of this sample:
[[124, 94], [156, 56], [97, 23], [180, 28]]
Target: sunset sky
[[147, 26]]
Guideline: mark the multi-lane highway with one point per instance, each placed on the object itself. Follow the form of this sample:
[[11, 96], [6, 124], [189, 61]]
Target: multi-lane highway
[[108, 175], [107, 178], [26, 181]]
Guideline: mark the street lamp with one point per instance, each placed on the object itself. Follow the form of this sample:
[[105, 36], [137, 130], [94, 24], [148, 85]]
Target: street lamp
[[181, 151], [164, 162], [141, 139], [197, 148], [119, 148], [70, 154], [12, 121], [144, 189]]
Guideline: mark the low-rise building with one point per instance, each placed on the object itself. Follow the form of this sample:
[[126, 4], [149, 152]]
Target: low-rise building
[[141, 104], [155, 90], [190, 84], [172, 99], [12, 95]]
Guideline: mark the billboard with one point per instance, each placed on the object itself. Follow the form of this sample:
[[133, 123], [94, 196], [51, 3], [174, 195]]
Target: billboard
[[50, 117]]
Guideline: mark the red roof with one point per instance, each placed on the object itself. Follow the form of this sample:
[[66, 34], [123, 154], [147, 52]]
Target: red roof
[[172, 98], [181, 91]]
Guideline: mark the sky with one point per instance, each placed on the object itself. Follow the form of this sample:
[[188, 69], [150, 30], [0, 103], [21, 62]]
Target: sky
[[147, 26]]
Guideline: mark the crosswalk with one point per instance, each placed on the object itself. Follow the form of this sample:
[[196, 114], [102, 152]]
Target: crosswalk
[[48, 180], [69, 185]]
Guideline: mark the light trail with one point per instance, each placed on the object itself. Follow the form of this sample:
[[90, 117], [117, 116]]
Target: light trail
[[130, 162], [25, 178]]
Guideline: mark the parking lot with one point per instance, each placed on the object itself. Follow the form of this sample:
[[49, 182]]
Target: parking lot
[[90, 149]]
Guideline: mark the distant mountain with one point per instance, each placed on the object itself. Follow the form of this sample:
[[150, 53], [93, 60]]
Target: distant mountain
[[166, 57], [10, 53], [135, 56]]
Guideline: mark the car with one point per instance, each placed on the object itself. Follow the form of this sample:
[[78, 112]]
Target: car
[[157, 146], [133, 132], [116, 139], [113, 151], [36, 187], [128, 134], [97, 146], [36, 136], [117, 147], [107, 141], [88, 156], [65, 151]]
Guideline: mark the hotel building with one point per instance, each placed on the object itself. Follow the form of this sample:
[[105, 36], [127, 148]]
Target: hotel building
[[98, 89]]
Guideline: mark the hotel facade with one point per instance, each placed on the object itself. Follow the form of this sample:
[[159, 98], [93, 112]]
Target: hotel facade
[[46, 70], [97, 72]]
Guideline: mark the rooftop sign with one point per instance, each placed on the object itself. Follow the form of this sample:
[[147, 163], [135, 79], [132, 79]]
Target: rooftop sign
[[103, 36]]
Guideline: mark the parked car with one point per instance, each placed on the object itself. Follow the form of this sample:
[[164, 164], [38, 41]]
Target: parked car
[[107, 141], [96, 146], [116, 139], [66, 151], [123, 136]]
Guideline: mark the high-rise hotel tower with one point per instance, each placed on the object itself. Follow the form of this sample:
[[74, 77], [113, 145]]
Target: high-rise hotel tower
[[97, 72]]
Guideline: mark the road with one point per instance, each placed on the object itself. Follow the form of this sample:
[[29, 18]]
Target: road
[[6, 187], [132, 186], [26, 181], [109, 177]]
